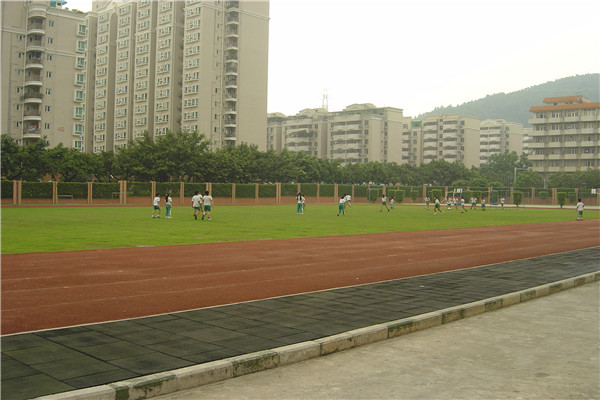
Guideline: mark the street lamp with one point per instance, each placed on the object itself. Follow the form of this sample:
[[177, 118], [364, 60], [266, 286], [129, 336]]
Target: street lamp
[[515, 175]]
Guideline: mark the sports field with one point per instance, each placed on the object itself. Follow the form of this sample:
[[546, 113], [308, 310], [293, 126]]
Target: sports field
[[49, 229]]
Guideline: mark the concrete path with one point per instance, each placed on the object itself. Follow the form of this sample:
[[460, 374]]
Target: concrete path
[[547, 348]]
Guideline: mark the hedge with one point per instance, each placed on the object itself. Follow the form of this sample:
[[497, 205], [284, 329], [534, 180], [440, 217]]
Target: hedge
[[167, 187], [289, 189], [398, 195], [141, 189], [36, 190], [221, 190], [105, 190], [360, 191], [267, 191], [7, 189], [189, 189], [326, 190], [414, 195], [245, 191], [309, 189], [344, 189], [78, 190]]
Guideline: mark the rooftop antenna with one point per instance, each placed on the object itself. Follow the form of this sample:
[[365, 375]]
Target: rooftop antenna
[[325, 103]]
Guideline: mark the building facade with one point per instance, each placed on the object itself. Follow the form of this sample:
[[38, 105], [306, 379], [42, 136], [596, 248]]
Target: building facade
[[181, 65], [565, 135], [46, 73], [498, 136]]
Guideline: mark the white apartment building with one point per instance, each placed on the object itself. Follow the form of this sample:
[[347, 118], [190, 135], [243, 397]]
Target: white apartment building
[[498, 136], [451, 137], [565, 136], [358, 134], [181, 65], [46, 73]]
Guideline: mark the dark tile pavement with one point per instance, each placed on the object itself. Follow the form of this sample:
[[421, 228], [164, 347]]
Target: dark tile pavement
[[60, 360]]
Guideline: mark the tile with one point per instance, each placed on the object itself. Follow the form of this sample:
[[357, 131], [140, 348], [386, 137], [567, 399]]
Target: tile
[[31, 386], [150, 336], [111, 351], [101, 378], [43, 354], [84, 339], [15, 369], [74, 367], [212, 334], [178, 325], [179, 348], [151, 363]]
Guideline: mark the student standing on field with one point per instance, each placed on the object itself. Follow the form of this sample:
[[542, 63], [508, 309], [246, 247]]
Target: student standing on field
[[156, 206], [208, 205], [482, 204], [342, 206], [300, 204], [197, 204], [579, 210], [427, 202], [383, 203], [392, 201], [502, 202], [168, 201], [436, 206], [348, 200], [473, 203]]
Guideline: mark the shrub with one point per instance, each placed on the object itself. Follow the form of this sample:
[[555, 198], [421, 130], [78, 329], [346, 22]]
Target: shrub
[[543, 194], [309, 189], [414, 195], [476, 194], [141, 189], [518, 198], [344, 189], [398, 195], [436, 193], [562, 198], [190, 188]]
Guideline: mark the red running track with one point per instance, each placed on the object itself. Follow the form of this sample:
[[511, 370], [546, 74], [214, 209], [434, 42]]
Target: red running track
[[51, 290]]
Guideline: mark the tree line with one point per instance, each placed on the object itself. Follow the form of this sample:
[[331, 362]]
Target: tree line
[[185, 157]]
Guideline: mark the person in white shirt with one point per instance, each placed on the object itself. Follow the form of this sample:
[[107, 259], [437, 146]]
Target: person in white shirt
[[342, 206], [579, 210], [502, 202], [208, 205], [348, 200], [197, 204], [156, 206], [436, 206], [168, 201], [383, 203], [300, 204]]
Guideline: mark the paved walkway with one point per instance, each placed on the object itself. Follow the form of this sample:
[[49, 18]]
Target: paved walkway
[[126, 352], [539, 350]]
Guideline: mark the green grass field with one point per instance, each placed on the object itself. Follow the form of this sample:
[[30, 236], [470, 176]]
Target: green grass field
[[30, 230]]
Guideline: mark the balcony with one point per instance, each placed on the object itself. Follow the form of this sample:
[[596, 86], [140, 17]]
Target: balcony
[[34, 63], [34, 80], [231, 83], [34, 45], [32, 133], [37, 10], [36, 27], [32, 115]]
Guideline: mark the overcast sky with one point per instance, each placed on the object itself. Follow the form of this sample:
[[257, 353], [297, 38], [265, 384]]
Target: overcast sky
[[419, 54]]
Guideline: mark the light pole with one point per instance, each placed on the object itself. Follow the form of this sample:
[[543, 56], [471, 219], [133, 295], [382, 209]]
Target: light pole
[[515, 175]]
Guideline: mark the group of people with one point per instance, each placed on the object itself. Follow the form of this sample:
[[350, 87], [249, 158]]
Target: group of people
[[345, 200], [200, 204], [457, 202]]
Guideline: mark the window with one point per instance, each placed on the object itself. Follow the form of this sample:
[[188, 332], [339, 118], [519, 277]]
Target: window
[[81, 30], [79, 79], [80, 63], [78, 112], [81, 46]]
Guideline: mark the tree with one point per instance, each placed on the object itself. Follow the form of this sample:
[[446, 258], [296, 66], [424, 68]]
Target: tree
[[69, 165], [27, 163], [529, 179]]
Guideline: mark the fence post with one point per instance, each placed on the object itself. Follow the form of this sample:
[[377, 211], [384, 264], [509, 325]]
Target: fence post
[[256, 194], [233, 193], [554, 196], [152, 191], [532, 195], [17, 196], [54, 192], [278, 193], [336, 193], [318, 192], [181, 191], [424, 192], [90, 193]]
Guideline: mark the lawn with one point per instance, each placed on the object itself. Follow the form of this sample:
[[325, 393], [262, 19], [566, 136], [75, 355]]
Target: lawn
[[42, 229]]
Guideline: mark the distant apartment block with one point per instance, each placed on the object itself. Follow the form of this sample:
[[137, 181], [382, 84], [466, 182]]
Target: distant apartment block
[[181, 65], [565, 136], [498, 136], [46, 73], [359, 134], [452, 138]]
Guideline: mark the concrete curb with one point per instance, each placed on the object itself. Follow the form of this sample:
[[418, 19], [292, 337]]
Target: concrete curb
[[198, 375]]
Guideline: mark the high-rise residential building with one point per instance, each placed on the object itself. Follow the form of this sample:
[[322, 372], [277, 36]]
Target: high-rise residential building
[[46, 73], [565, 136], [452, 137], [498, 136], [181, 65]]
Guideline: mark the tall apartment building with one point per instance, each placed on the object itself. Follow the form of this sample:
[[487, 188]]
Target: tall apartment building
[[565, 136], [498, 136], [46, 73], [452, 137], [181, 65]]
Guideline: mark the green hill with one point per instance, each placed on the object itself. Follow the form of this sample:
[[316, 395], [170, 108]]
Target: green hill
[[515, 106]]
